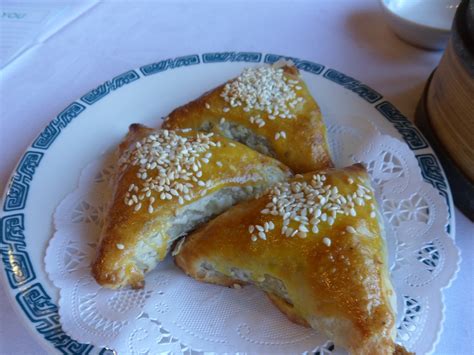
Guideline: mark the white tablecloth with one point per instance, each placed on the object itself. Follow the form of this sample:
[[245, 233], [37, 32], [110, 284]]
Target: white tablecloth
[[115, 36]]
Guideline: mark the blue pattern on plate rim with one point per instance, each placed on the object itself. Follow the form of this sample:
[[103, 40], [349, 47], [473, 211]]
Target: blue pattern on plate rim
[[354, 85], [166, 64], [20, 181], [17, 262], [231, 57], [32, 297], [104, 89], [53, 129], [305, 65]]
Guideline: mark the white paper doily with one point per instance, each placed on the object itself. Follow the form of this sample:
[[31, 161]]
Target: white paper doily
[[175, 314]]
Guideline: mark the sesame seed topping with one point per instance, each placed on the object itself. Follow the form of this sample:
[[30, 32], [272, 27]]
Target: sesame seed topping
[[372, 214], [120, 246], [264, 89], [350, 229], [165, 159], [327, 241], [219, 164], [222, 121], [304, 205], [226, 109], [207, 105]]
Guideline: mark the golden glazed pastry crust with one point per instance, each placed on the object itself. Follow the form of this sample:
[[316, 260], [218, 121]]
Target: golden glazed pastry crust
[[299, 142], [335, 280], [129, 232]]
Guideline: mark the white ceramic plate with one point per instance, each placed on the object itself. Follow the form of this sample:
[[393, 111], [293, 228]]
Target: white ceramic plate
[[50, 167]]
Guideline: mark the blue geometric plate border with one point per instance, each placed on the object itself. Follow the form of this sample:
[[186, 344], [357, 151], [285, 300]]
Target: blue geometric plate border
[[32, 298]]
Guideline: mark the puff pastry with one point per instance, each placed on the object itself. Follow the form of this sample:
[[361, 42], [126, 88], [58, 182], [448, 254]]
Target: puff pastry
[[268, 108], [315, 246], [167, 183]]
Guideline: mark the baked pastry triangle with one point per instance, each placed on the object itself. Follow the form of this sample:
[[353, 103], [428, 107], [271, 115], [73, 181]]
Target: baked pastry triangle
[[166, 184], [268, 108], [315, 245]]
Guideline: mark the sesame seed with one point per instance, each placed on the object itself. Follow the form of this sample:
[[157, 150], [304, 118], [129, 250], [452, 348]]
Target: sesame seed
[[222, 121], [251, 228], [262, 235], [350, 229], [120, 246], [226, 109], [137, 206], [283, 134], [302, 228], [219, 164], [150, 209], [207, 105], [254, 238], [277, 136], [327, 241], [232, 144], [302, 235], [372, 214]]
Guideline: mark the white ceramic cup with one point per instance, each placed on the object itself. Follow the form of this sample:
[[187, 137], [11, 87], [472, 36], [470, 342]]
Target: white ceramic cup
[[423, 23]]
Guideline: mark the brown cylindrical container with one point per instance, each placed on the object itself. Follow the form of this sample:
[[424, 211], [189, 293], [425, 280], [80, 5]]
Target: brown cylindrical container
[[446, 111]]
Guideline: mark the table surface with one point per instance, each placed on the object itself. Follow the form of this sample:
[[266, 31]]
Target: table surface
[[115, 36]]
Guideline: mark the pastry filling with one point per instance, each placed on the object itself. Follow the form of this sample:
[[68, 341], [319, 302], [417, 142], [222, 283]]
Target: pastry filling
[[242, 135]]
